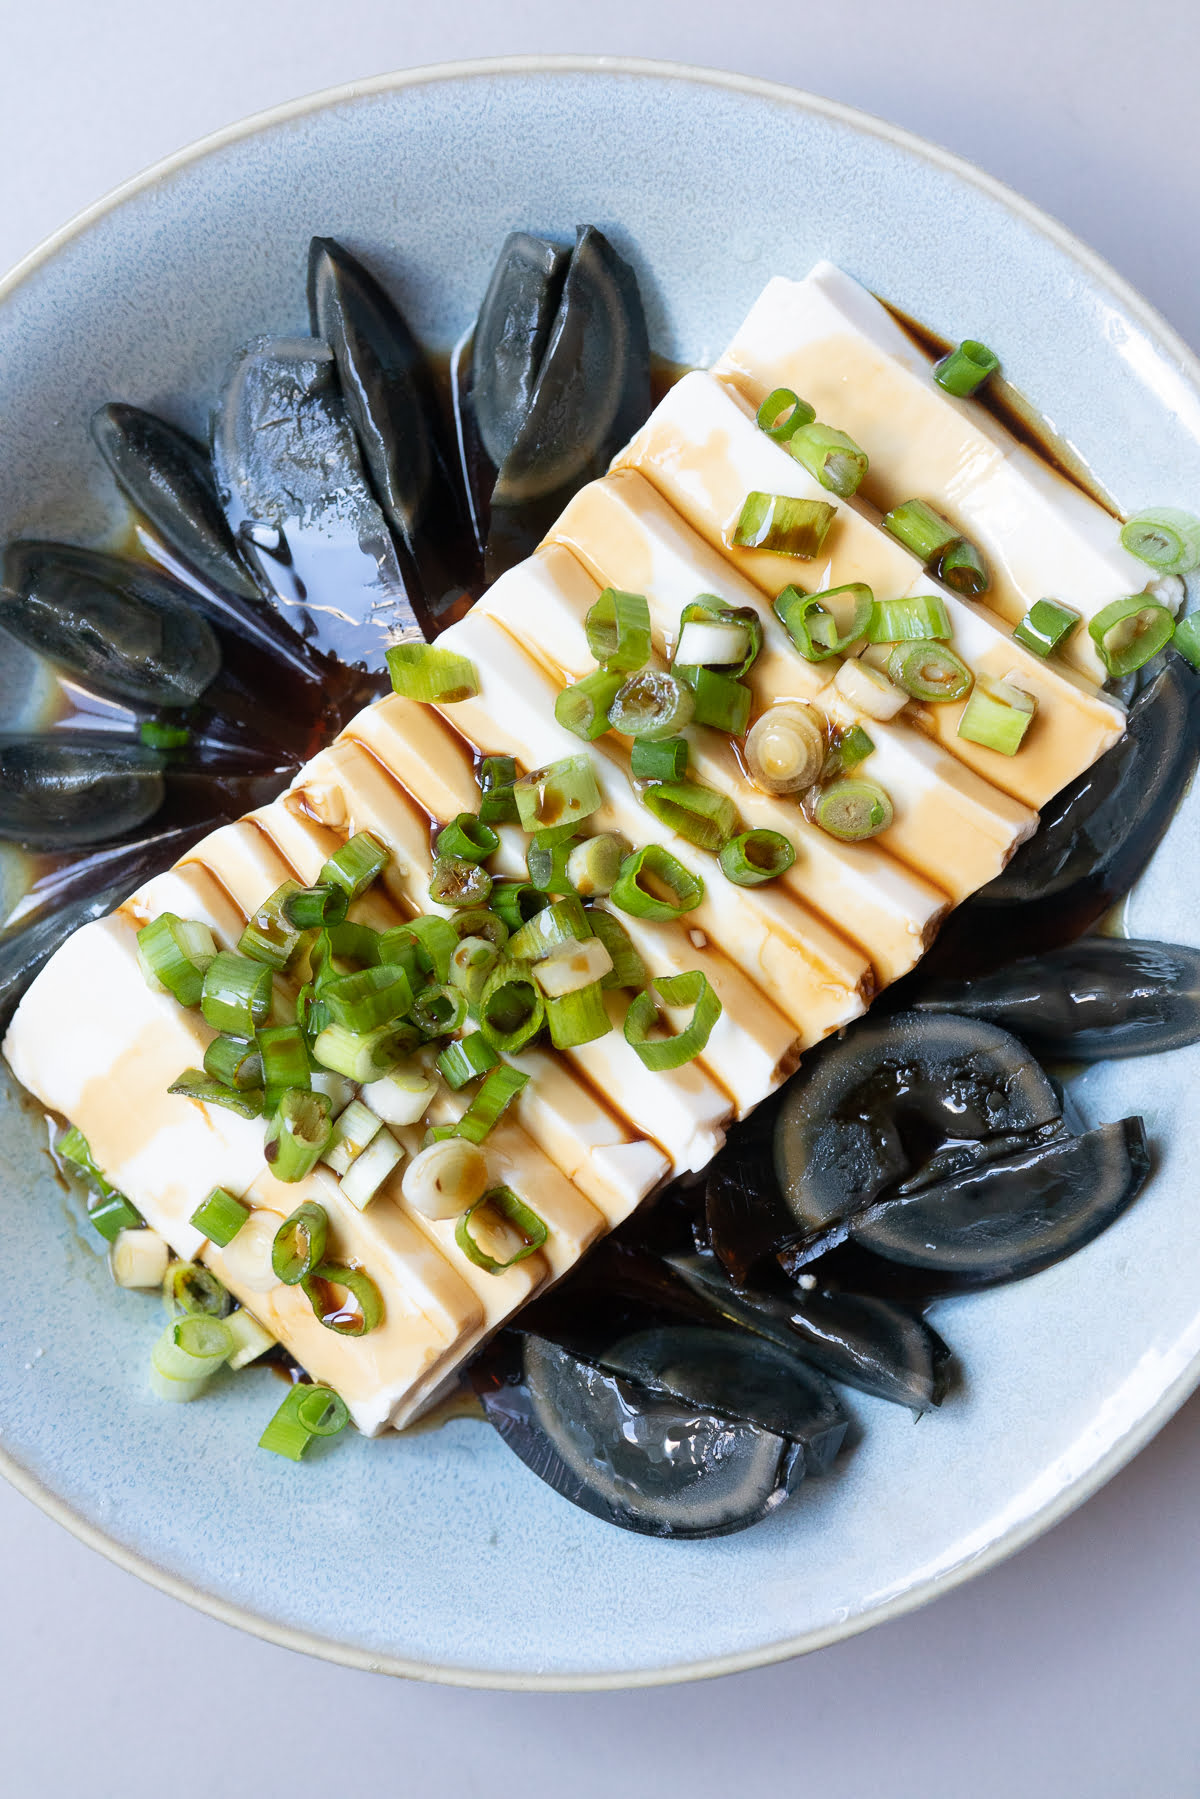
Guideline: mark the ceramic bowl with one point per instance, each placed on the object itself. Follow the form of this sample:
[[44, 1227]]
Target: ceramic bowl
[[441, 1556]]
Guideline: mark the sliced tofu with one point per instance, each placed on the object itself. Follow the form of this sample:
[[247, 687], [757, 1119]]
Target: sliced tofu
[[93, 1042], [702, 449], [831, 341], [627, 536], [355, 788], [790, 956], [429, 1309]]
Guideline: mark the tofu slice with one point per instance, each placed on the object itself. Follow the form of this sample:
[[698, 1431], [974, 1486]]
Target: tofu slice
[[93, 1042], [832, 341], [702, 449], [429, 1309]]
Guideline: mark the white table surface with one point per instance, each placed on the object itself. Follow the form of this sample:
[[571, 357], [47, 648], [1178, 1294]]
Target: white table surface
[[1070, 1672]]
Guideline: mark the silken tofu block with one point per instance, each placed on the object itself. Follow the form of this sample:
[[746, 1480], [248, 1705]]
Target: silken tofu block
[[702, 449], [833, 342]]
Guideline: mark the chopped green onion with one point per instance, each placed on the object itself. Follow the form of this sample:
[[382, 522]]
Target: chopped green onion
[[852, 811], [364, 1055], [511, 1009], [665, 761], [372, 997], [618, 632], [785, 752], [336, 1088], [175, 954], [546, 859], [559, 796], [1166, 538], [516, 902], [572, 966], [997, 715], [583, 707], [112, 1213], [468, 838], [785, 526], [1045, 626], [628, 969], [915, 617], [698, 814], [654, 884], [356, 865], [847, 748], [578, 1017], [838, 463], [659, 1053], [783, 413], [497, 804], [825, 624], [470, 966], [720, 701], [73, 1147], [594, 864], [138, 1259], [401, 1096], [193, 1083], [336, 1315], [497, 1093], [191, 1291], [434, 937], [370, 1168], [712, 633], [297, 1134], [236, 995], [354, 942], [1129, 632], [285, 1061], [190, 1350], [439, 1010], [920, 529], [929, 672], [313, 907], [250, 1340], [422, 671], [299, 1243], [270, 936], [868, 689], [756, 856], [480, 921], [312, 1014], [963, 569], [1187, 638], [456, 882], [306, 1413], [963, 370], [157, 734], [220, 1217], [513, 1211], [563, 922], [234, 1061], [652, 705], [464, 1061]]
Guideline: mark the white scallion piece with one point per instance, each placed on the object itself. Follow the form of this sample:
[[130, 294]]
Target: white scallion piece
[[572, 966], [446, 1179], [337, 1089], [370, 1169], [869, 691], [403, 1095], [247, 1258], [785, 749], [715, 645], [250, 1340], [354, 1130], [139, 1259]]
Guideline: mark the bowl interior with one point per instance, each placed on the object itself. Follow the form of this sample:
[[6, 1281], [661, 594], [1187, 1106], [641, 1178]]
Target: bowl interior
[[440, 1554]]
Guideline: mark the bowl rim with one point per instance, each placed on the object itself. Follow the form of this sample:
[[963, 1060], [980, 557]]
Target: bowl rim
[[1098, 272]]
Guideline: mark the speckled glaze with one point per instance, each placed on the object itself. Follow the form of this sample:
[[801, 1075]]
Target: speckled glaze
[[441, 1556]]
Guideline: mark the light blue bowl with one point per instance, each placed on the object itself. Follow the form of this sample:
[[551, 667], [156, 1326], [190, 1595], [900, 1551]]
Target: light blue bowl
[[442, 1557]]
